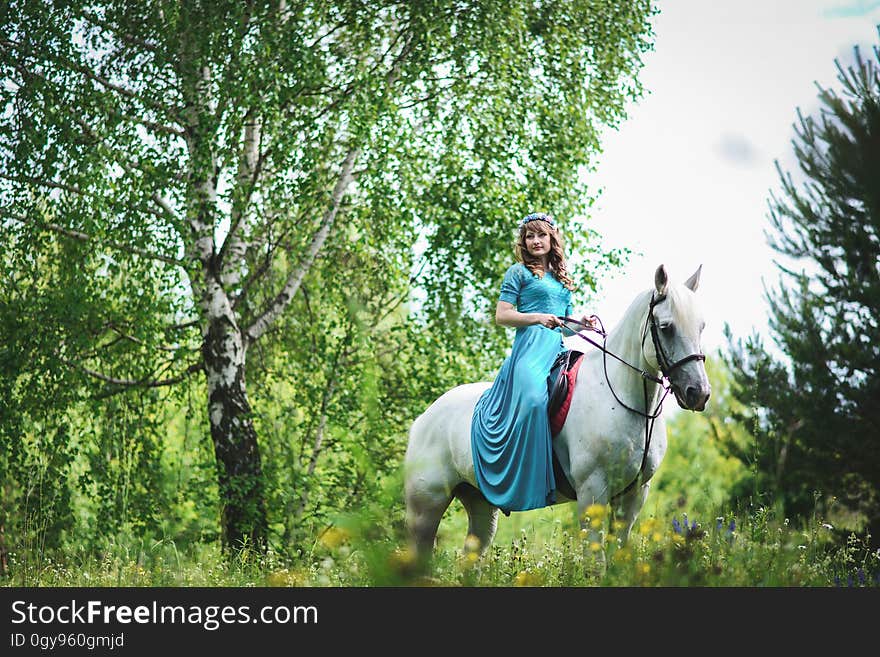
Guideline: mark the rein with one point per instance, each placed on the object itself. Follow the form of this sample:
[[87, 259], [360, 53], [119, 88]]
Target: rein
[[665, 369]]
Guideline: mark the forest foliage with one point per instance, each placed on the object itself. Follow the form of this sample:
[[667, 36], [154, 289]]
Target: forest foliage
[[247, 243]]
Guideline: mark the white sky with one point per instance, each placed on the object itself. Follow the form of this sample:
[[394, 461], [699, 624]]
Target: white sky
[[685, 180]]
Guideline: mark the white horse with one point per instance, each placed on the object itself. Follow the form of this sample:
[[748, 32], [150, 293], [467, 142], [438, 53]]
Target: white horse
[[613, 439]]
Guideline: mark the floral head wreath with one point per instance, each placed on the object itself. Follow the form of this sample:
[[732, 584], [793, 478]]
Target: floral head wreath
[[538, 216]]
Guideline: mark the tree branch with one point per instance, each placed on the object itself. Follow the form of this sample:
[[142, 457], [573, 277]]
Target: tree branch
[[317, 445], [123, 36], [78, 67], [166, 207], [90, 132], [266, 262], [329, 33], [155, 126], [133, 383], [249, 167], [83, 237], [395, 302], [42, 182], [181, 327], [119, 89], [130, 167], [123, 335], [281, 301], [256, 274]]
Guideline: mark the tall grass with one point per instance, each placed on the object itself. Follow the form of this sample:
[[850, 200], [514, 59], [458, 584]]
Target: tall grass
[[685, 536], [748, 548], [752, 548]]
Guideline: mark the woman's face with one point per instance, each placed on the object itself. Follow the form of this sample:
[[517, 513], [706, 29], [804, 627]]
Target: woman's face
[[537, 241]]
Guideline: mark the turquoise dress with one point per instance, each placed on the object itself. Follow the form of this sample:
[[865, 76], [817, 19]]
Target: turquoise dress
[[510, 430]]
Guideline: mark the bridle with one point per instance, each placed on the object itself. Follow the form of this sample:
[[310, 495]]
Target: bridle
[[665, 369], [662, 359]]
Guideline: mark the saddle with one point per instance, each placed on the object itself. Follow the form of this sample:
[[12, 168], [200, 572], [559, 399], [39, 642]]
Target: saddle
[[560, 383]]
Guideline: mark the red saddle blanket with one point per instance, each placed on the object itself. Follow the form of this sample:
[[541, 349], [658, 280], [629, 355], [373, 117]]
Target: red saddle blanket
[[560, 397]]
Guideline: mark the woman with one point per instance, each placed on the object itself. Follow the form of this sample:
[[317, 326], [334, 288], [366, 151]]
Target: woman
[[510, 430]]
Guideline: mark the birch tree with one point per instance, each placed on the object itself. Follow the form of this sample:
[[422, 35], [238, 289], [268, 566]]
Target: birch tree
[[206, 153]]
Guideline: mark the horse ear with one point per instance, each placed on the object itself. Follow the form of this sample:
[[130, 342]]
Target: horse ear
[[694, 281], [660, 280]]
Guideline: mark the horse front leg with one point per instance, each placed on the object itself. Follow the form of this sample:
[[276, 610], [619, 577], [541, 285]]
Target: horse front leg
[[630, 505], [592, 500]]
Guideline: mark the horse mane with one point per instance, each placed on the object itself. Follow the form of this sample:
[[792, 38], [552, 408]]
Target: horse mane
[[633, 318], [628, 329]]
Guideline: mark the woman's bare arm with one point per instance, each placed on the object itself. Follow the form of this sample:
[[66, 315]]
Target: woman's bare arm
[[507, 315]]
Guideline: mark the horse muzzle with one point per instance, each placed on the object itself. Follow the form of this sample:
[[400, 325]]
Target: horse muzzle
[[694, 398]]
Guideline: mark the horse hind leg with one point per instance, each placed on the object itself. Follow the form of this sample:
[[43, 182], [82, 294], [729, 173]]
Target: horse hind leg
[[482, 518], [423, 514]]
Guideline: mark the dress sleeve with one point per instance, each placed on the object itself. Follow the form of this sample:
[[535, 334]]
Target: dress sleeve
[[511, 284]]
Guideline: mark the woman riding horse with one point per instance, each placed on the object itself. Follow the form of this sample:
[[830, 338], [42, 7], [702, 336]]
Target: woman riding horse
[[510, 429], [488, 443]]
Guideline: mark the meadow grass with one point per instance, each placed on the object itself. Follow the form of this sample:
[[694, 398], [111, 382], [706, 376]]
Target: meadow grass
[[546, 547], [549, 548]]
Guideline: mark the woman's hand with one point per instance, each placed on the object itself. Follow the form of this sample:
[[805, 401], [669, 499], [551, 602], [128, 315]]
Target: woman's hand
[[550, 321], [592, 321]]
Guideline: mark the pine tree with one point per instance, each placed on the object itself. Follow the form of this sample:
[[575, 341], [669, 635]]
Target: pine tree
[[816, 418]]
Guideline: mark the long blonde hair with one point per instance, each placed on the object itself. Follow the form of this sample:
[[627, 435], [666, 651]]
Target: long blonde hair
[[555, 259]]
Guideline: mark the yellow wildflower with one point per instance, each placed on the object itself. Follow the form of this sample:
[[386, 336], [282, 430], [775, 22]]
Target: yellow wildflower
[[595, 547], [648, 526], [525, 578], [403, 557], [471, 543], [285, 578], [333, 537], [643, 568], [596, 511]]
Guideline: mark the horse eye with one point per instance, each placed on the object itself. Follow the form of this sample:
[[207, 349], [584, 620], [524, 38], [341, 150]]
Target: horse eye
[[666, 327]]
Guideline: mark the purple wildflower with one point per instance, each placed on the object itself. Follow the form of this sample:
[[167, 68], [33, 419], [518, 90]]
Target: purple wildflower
[[675, 526]]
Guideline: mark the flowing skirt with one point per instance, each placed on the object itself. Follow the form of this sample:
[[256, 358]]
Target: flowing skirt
[[510, 430]]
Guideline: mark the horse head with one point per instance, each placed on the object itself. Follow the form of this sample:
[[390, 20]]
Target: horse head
[[671, 339]]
